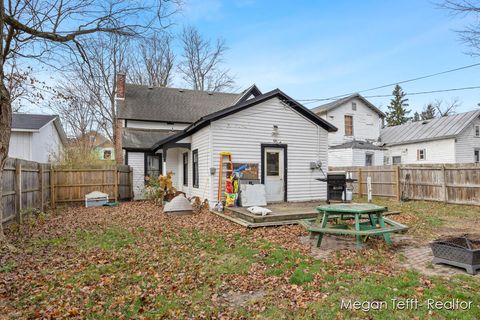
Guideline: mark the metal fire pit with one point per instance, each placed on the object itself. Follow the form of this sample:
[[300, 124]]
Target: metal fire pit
[[462, 252]]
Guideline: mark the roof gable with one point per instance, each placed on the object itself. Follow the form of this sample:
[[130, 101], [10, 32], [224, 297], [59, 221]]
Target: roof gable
[[337, 103], [25, 121], [204, 121], [435, 129]]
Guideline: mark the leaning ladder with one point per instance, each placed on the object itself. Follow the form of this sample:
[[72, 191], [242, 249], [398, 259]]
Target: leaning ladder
[[224, 155]]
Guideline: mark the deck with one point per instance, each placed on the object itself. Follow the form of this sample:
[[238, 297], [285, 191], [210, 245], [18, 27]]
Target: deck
[[282, 214]]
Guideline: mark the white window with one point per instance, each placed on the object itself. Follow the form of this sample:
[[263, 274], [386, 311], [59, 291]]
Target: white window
[[476, 157], [368, 159], [421, 154], [477, 131], [354, 106], [397, 160], [386, 160]]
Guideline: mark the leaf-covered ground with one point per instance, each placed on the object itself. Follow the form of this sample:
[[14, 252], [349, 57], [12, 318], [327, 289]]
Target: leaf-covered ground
[[135, 262]]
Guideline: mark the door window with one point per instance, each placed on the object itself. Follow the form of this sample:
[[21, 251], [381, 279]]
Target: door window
[[273, 164], [477, 156]]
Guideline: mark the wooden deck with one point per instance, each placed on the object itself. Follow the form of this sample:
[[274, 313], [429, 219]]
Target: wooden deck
[[282, 214]]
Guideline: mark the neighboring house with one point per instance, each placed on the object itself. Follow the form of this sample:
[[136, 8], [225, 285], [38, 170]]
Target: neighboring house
[[101, 145], [36, 137], [356, 141], [184, 131], [451, 139]]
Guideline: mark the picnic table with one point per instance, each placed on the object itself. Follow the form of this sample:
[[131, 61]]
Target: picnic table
[[375, 224]]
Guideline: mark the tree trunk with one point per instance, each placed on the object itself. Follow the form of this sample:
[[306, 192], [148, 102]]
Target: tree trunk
[[5, 125]]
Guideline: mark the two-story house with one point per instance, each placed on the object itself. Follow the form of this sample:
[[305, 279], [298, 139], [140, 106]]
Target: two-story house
[[356, 141]]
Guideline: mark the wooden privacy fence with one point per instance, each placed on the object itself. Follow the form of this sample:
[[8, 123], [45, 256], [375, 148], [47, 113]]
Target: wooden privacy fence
[[450, 183], [32, 185]]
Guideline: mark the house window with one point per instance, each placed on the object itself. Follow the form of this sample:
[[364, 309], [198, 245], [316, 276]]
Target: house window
[[368, 159], [349, 125], [354, 106], [421, 154], [397, 160], [195, 168], [386, 160], [477, 131], [153, 166], [476, 157], [185, 169], [107, 154]]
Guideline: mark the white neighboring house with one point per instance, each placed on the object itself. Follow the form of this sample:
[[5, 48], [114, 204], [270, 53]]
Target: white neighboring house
[[184, 131], [356, 141], [451, 139], [36, 137]]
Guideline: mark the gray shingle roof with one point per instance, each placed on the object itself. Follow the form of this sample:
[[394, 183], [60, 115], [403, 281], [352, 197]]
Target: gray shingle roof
[[357, 145], [337, 103], [435, 129], [171, 104], [134, 138], [30, 121]]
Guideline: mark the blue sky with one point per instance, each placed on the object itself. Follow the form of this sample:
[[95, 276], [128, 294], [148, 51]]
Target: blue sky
[[319, 49]]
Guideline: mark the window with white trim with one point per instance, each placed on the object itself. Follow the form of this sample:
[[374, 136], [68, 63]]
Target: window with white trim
[[396, 159], [477, 131], [476, 157], [354, 106], [421, 154]]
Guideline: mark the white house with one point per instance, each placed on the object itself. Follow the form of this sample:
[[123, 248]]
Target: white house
[[451, 139], [36, 137], [356, 141], [184, 131]]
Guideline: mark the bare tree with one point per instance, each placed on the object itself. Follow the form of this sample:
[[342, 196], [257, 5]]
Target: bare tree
[[152, 64], [201, 66], [446, 108], [471, 34], [38, 29]]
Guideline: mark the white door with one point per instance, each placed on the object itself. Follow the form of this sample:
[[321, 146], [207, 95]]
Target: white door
[[274, 174]]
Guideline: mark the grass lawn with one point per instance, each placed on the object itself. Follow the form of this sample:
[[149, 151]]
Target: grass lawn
[[134, 262]]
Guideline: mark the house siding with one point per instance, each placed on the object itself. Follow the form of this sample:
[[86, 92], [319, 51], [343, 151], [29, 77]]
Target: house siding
[[359, 156], [353, 157], [366, 123], [20, 145], [438, 151], [466, 143], [243, 133], [201, 141], [137, 161], [46, 144], [155, 125]]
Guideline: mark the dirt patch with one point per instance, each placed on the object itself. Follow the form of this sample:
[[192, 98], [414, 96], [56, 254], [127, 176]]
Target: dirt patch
[[240, 299]]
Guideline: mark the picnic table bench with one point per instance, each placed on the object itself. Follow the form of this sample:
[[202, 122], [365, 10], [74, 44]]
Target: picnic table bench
[[375, 224]]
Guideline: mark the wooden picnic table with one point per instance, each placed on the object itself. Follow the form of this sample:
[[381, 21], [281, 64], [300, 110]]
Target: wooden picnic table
[[375, 224]]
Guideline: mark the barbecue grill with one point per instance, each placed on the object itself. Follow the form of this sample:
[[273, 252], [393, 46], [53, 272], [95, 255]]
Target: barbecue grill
[[336, 185]]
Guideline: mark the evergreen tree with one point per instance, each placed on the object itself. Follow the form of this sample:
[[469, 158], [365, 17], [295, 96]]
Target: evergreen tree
[[397, 110], [428, 112], [416, 116]]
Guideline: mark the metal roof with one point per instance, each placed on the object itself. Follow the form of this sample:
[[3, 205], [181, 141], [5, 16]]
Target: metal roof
[[435, 129], [171, 104], [134, 138], [357, 145], [337, 103], [24, 121]]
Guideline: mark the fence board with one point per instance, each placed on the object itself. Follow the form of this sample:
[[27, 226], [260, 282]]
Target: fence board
[[450, 183], [28, 184]]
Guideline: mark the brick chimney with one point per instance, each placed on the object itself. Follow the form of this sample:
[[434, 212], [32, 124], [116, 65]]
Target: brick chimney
[[118, 123], [121, 85]]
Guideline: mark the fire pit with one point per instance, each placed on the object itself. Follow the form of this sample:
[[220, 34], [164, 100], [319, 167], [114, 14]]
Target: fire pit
[[463, 252]]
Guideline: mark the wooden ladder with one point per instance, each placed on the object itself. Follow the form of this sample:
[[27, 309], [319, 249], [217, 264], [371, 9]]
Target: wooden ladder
[[229, 172]]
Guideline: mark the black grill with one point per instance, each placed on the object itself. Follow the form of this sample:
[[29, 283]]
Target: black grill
[[336, 185]]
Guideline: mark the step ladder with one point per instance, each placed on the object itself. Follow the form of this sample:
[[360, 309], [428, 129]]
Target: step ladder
[[225, 158]]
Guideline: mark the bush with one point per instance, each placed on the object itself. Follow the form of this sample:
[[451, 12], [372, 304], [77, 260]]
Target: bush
[[157, 190]]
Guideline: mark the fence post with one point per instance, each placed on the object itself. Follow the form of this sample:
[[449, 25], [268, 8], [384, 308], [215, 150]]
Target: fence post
[[397, 181], [52, 186], [115, 187], [40, 184], [18, 190], [444, 185], [360, 185]]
